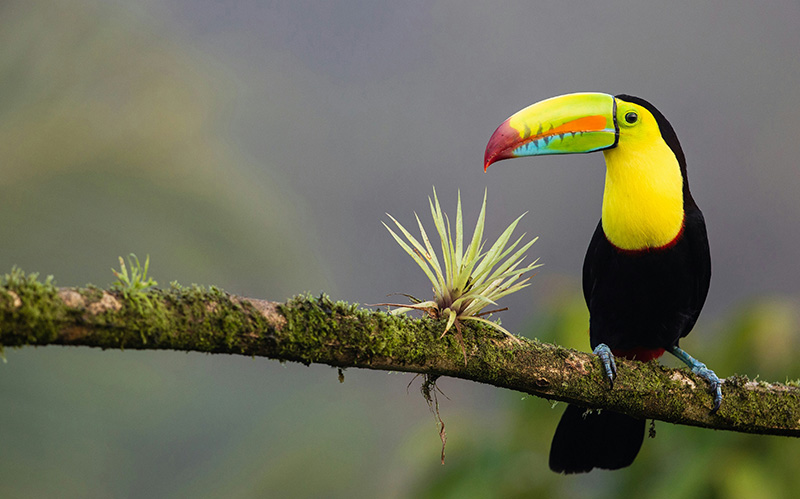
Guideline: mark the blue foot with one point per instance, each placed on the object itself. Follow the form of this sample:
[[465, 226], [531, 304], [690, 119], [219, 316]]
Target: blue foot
[[704, 372], [607, 358]]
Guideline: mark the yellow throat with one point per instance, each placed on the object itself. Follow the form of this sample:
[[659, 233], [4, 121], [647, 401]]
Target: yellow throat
[[643, 197]]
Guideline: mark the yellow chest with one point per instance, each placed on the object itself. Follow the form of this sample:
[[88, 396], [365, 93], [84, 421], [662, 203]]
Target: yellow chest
[[643, 197]]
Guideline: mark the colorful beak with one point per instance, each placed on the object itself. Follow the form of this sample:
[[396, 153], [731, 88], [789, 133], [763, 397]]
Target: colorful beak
[[567, 124]]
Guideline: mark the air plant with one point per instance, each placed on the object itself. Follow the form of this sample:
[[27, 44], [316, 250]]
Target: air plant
[[468, 279]]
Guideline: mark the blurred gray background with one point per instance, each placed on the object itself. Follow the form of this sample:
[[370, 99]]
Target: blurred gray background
[[257, 145]]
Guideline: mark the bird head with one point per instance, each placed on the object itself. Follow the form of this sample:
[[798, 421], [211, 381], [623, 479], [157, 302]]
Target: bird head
[[646, 189]]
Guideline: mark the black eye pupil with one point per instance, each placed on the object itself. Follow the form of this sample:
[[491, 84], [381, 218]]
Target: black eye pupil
[[631, 117]]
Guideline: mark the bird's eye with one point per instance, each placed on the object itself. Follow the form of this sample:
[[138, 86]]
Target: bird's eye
[[631, 118]]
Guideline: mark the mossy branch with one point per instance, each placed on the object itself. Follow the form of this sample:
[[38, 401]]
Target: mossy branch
[[318, 330]]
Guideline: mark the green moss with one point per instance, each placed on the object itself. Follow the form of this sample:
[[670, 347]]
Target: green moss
[[34, 305], [92, 293], [200, 319], [186, 318], [318, 326]]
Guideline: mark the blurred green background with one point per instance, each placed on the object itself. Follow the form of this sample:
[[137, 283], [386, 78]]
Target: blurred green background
[[257, 145]]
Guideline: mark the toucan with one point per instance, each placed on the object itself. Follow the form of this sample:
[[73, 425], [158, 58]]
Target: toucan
[[648, 267]]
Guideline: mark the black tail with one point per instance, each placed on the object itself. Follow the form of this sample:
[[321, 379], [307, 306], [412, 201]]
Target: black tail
[[604, 439]]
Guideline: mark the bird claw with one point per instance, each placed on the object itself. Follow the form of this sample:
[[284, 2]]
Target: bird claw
[[715, 385], [607, 358], [717, 388], [700, 369]]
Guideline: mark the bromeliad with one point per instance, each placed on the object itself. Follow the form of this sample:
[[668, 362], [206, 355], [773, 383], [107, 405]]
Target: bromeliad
[[468, 279]]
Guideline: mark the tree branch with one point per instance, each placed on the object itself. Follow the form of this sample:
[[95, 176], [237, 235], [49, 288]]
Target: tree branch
[[317, 330]]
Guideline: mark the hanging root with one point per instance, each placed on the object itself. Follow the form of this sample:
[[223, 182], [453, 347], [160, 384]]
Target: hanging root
[[429, 387]]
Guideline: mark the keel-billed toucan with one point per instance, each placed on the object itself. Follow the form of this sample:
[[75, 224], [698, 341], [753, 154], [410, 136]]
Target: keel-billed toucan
[[648, 267]]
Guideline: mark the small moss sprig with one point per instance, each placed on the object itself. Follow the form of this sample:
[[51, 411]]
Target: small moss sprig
[[469, 279], [137, 280]]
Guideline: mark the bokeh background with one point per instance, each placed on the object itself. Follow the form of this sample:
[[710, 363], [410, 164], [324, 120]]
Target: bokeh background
[[257, 145]]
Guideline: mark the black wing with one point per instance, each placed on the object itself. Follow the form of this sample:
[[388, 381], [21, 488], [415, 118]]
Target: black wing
[[700, 261]]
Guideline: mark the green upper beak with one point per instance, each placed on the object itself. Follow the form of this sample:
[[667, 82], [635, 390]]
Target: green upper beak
[[572, 123]]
